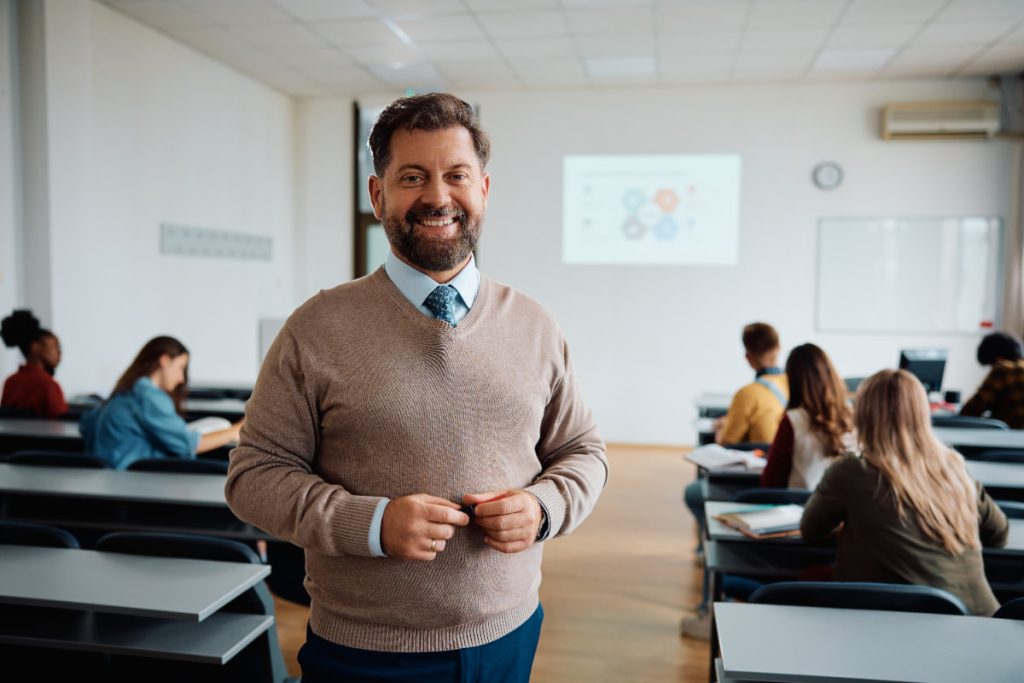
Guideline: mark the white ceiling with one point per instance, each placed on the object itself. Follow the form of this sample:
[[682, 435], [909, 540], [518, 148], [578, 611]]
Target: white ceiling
[[322, 47]]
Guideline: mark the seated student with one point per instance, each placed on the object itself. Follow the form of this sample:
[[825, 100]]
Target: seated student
[[910, 512], [756, 409], [142, 417], [32, 388], [817, 424], [1001, 393]]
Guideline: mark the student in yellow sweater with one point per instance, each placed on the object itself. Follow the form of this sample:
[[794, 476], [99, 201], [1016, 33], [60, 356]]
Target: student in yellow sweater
[[757, 408]]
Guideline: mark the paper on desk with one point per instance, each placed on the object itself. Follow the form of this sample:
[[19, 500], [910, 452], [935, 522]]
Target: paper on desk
[[715, 457], [205, 425]]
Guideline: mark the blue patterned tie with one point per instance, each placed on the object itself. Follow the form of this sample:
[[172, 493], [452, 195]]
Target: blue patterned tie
[[441, 303]]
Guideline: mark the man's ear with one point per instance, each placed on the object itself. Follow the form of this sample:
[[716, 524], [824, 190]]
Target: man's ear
[[485, 187], [376, 188]]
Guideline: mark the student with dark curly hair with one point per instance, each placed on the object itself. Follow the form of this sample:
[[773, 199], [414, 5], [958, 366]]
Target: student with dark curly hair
[[1001, 395], [32, 388]]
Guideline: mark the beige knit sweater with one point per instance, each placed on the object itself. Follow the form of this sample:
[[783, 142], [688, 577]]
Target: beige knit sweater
[[361, 397]]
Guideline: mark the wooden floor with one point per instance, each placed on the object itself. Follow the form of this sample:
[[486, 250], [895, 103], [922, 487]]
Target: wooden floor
[[615, 590]]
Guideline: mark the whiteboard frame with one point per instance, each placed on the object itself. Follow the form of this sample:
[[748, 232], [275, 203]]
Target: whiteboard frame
[[999, 289]]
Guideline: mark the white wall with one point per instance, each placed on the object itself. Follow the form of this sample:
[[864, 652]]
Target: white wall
[[142, 130], [676, 330], [9, 242]]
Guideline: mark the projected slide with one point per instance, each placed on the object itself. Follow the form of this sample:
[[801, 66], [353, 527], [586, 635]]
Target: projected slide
[[651, 209]]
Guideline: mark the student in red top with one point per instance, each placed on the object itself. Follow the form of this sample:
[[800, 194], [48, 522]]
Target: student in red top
[[32, 387]]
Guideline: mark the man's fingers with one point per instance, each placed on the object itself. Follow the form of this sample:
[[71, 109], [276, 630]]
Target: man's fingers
[[434, 500], [446, 515], [503, 522], [508, 535], [503, 547]]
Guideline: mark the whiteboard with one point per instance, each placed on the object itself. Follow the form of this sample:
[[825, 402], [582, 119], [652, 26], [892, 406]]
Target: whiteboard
[[917, 275]]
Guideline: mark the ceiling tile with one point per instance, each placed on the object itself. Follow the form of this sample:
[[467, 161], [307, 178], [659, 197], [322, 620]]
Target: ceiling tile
[[691, 75], [701, 15], [600, 68], [301, 57], [461, 27], [396, 8], [792, 13], [383, 54], [354, 33], [460, 51], [275, 35], [573, 4], [998, 60], [162, 14], [934, 60], [715, 41], [509, 5], [213, 40], [952, 33], [319, 10], [698, 61], [877, 36], [340, 77], [553, 72], [536, 47], [886, 11], [485, 74], [422, 77], [781, 60], [845, 60], [975, 10], [793, 39], [523, 24], [239, 12], [610, 20], [615, 46], [766, 74]]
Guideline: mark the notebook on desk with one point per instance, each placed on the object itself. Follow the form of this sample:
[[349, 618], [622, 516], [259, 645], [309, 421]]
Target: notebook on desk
[[718, 458], [765, 521]]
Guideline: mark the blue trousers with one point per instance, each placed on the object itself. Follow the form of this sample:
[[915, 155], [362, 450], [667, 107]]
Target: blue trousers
[[506, 660]]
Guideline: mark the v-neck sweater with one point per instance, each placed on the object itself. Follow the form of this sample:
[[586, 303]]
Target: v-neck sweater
[[362, 397]]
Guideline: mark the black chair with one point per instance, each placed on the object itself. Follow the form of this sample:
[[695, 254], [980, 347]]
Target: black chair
[[58, 459], [179, 465], [8, 411], [1014, 609], [967, 422], [891, 597], [1016, 457], [288, 565], [1011, 508], [260, 662], [27, 533], [773, 496]]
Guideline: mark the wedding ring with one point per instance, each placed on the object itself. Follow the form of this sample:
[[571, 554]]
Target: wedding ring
[[433, 545]]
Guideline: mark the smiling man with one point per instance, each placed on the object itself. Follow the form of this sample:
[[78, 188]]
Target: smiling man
[[419, 432]]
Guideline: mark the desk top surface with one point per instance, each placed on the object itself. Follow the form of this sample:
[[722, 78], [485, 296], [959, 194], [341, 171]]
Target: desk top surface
[[145, 487], [865, 645], [722, 532], [981, 438], [53, 429], [1002, 474], [162, 587]]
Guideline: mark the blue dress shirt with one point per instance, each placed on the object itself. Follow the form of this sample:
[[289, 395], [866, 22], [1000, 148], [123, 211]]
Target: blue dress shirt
[[137, 424]]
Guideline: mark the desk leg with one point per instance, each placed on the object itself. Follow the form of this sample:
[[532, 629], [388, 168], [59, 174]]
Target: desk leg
[[715, 578]]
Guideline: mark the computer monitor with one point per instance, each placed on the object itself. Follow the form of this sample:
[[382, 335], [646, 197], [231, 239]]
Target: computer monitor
[[928, 365]]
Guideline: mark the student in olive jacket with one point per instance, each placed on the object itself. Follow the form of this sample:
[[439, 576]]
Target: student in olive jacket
[[910, 512]]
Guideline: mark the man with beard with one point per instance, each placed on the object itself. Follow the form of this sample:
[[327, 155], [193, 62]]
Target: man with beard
[[418, 432], [32, 388]]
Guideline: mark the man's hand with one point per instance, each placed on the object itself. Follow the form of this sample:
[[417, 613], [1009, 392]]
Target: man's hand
[[510, 519], [416, 527]]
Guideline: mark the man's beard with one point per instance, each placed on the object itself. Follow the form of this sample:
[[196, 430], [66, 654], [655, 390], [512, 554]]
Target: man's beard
[[432, 254]]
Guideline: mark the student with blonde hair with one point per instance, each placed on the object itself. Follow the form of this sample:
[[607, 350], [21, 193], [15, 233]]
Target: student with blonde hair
[[817, 425], [909, 510]]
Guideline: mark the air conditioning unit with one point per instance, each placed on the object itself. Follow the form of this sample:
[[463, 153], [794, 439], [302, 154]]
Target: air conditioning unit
[[929, 120]]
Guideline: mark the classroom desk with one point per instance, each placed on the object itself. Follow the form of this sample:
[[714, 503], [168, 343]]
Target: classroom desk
[[1011, 439], [126, 604], [231, 409], [26, 433], [757, 644], [139, 585], [116, 500], [712, 405]]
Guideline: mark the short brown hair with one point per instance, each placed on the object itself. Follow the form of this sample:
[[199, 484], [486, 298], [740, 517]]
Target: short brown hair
[[430, 112], [760, 338]]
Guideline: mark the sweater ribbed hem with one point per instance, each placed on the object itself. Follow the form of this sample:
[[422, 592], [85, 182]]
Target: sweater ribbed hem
[[340, 630]]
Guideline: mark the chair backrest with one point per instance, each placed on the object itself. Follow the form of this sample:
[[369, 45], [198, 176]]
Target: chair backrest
[[58, 459], [10, 411], [749, 446], [1011, 508], [853, 383], [1014, 609], [773, 496], [179, 465], [967, 422], [890, 597], [999, 456], [26, 533]]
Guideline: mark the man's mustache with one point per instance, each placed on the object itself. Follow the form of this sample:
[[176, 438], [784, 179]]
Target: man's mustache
[[414, 215]]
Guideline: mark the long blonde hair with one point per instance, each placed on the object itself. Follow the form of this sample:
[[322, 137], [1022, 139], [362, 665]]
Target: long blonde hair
[[893, 424]]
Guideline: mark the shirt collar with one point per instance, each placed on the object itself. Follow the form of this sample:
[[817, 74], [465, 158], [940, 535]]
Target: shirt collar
[[768, 371], [416, 286]]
